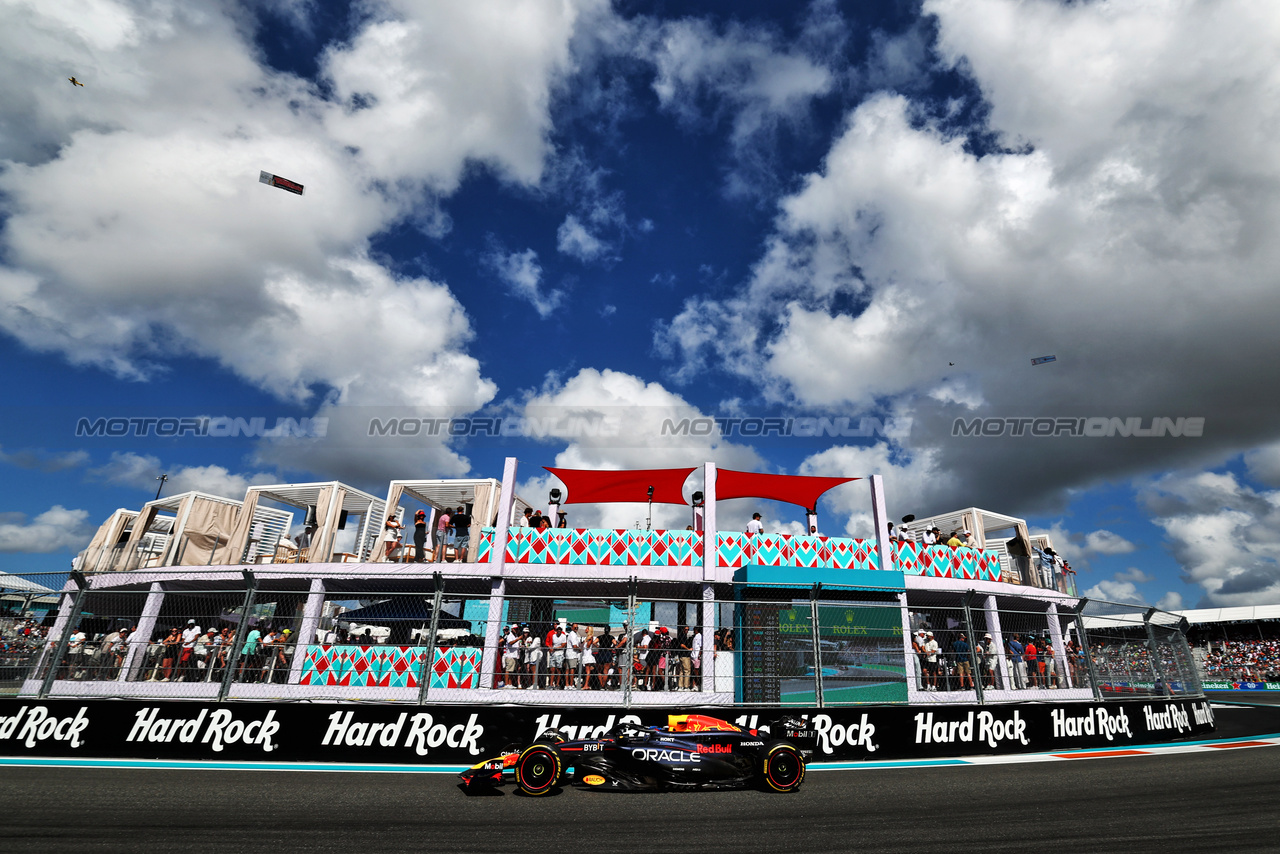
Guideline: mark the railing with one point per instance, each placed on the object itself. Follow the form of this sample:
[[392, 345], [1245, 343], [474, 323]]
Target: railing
[[625, 547], [421, 638]]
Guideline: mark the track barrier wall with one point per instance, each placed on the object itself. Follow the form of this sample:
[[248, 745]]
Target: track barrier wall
[[463, 735]]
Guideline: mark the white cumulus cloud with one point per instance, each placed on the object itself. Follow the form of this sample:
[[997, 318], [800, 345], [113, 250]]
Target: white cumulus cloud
[[56, 529]]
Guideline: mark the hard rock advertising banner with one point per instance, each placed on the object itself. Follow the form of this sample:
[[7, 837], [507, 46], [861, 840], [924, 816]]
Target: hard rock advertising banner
[[461, 735]]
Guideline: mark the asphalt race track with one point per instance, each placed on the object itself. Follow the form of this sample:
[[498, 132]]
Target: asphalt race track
[[1224, 800]]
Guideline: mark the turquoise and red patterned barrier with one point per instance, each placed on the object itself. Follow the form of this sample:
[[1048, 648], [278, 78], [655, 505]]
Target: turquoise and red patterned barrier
[[622, 547], [597, 547], [737, 550], [388, 666], [945, 562]]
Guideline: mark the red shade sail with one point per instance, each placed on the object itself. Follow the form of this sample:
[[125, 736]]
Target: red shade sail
[[791, 488], [588, 486]]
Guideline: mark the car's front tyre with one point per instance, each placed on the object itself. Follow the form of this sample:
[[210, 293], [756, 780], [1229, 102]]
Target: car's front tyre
[[538, 769], [781, 767]]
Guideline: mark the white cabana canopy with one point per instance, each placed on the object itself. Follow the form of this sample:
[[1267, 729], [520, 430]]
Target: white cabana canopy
[[330, 500], [110, 536], [480, 494], [978, 521]]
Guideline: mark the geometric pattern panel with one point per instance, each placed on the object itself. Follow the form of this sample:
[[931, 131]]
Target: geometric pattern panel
[[941, 561], [622, 547], [597, 547], [734, 550], [737, 550], [380, 666], [457, 667], [374, 666]]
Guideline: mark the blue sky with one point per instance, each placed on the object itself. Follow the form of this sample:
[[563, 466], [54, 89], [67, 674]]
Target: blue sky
[[652, 211]]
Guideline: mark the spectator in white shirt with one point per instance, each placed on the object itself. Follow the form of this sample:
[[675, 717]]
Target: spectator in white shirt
[[695, 646], [187, 658], [572, 655]]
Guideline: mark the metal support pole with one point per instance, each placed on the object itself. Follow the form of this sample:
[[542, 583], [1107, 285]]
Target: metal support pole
[[1001, 678], [140, 639], [880, 517], [1088, 651], [64, 638], [237, 643], [817, 644], [1058, 659], [311, 614], [490, 655], [629, 656], [974, 675], [707, 666], [909, 658], [429, 657], [1153, 653]]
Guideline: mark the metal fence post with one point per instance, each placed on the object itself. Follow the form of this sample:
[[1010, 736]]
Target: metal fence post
[[1184, 625], [974, 675], [237, 643], [73, 620], [817, 644], [1088, 651], [429, 657], [629, 656], [1153, 653]]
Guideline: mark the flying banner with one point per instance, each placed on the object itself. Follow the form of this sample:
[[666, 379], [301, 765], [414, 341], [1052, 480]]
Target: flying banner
[[282, 183]]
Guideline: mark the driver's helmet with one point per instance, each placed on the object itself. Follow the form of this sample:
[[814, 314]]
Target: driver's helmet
[[627, 731]]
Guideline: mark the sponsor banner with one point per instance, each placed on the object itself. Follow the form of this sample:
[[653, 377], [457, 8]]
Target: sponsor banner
[[463, 735], [1241, 686]]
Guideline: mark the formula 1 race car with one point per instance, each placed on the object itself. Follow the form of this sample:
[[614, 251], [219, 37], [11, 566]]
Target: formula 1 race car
[[690, 752]]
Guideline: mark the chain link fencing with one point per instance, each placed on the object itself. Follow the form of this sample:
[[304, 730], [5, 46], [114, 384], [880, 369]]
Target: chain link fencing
[[431, 637]]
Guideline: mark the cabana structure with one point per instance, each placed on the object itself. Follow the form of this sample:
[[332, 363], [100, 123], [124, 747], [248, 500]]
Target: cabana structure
[[203, 525], [186, 529], [108, 542], [327, 507], [479, 495]]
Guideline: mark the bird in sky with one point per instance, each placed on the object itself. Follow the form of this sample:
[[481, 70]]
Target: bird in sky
[[952, 364], [75, 82]]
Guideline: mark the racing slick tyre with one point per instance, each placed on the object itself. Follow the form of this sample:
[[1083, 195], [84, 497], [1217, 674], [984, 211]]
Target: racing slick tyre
[[539, 769], [781, 767]]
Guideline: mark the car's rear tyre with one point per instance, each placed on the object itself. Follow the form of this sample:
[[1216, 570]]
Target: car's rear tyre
[[538, 769], [781, 767]]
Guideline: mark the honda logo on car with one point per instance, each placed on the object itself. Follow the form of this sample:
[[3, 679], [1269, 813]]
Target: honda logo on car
[[223, 728], [34, 724], [658, 754]]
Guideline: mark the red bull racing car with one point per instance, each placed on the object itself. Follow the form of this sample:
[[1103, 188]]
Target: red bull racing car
[[690, 752]]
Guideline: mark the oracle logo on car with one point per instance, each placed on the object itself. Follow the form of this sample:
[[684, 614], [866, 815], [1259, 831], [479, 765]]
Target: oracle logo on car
[[655, 754]]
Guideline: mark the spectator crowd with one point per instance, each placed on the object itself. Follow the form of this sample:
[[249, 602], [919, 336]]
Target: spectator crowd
[[1242, 661]]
